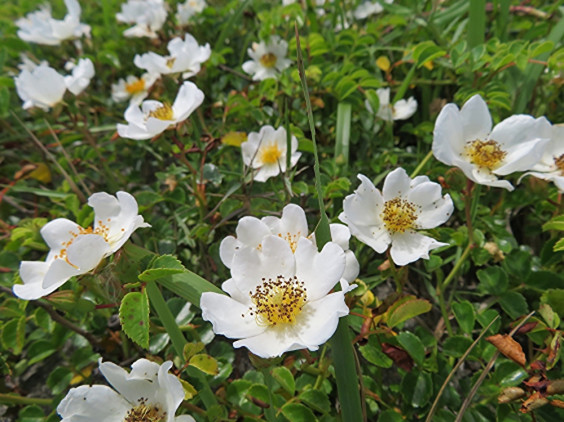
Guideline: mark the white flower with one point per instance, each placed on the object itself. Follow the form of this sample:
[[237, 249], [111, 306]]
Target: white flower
[[147, 393], [29, 64], [291, 227], [464, 138], [393, 216], [147, 15], [75, 250], [81, 75], [154, 117], [266, 151], [279, 301], [188, 9], [185, 56], [41, 87], [133, 88], [551, 165], [400, 110], [268, 59], [39, 27], [369, 8]]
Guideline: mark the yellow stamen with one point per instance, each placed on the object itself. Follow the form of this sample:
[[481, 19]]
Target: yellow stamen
[[486, 154], [100, 230], [292, 239], [145, 413], [268, 60], [135, 87], [399, 215], [164, 112], [559, 162], [278, 301], [170, 62], [270, 154]]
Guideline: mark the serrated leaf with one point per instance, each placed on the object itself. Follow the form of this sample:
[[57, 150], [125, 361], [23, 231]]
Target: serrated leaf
[[13, 335], [162, 266], [285, 379], [296, 412], [191, 349], [406, 308], [134, 317], [204, 363]]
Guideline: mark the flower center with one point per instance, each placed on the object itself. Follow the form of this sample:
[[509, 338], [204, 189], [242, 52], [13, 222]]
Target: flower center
[[268, 60], [163, 112], [399, 215], [145, 413], [270, 154], [292, 239], [559, 162], [278, 301], [135, 87], [486, 154], [101, 230], [170, 62]]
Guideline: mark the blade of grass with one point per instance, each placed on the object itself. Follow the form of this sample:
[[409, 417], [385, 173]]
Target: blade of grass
[[189, 286], [341, 344], [484, 374], [177, 339], [476, 23], [343, 135], [458, 365], [533, 70], [405, 84], [228, 27]]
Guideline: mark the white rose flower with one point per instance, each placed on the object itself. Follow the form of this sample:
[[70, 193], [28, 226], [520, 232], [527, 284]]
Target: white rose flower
[[185, 56], [393, 216], [40, 27], [464, 138], [279, 301], [266, 151], [400, 110], [75, 250], [41, 87], [133, 88], [188, 9], [268, 59], [147, 15], [80, 77], [147, 393], [154, 117], [291, 227], [369, 8], [551, 165]]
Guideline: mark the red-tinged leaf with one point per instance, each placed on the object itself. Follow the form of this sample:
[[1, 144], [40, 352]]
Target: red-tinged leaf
[[525, 328], [509, 348], [400, 357], [538, 366], [537, 383], [534, 402]]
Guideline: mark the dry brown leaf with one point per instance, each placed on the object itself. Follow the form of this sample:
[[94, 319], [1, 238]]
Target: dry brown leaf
[[400, 357], [557, 403], [508, 348], [534, 402], [509, 394]]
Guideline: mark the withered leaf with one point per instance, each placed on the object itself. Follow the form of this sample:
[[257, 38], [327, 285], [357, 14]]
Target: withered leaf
[[534, 402], [508, 348], [557, 403], [555, 387], [400, 357], [510, 393]]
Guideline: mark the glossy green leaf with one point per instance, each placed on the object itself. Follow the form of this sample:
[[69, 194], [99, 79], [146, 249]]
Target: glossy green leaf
[[493, 280], [296, 412], [285, 379], [406, 308], [162, 266], [456, 346], [204, 363], [134, 317], [412, 345], [191, 349], [317, 400], [13, 335], [514, 304], [465, 315]]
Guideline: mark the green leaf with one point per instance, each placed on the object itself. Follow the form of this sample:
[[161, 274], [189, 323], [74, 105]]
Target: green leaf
[[31, 414], [423, 390], [554, 298], [465, 315], [204, 363], [413, 345], [189, 286], [559, 246], [134, 317], [162, 266], [551, 318], [260, 392], [59, 380], [317, 400], [39, 350], [373, 354], [406, 308], [190, 349], [285, 379], [514, 304], [390, 416], [343, 134], [373, 99], [13, 335], [456, 346], [296, 412], [557, 223], [493, 280]]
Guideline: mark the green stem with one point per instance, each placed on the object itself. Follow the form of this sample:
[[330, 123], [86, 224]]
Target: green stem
[[444, 310], [457, 266], [422, 164], [269, 412], [321, 375], [178, 340], [13, 399]]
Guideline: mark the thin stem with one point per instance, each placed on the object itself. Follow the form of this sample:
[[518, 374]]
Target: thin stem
[[321, 375], [269, 412], [13, 399], [421, 164], [458, 264], [468, 209], [444, 310]]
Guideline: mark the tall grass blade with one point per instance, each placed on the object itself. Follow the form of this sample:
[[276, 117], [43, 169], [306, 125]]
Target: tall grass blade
[[343, 136], [476, 23]]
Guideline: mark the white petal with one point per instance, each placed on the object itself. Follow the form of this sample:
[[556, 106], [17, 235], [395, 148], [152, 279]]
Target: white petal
[[318, 320], [227, 249], [292, 225], [375, 236], [58, 232], [170, 392], [352, 267], [266, 172], [141, 383], [32, 274], [396, 184], [319, 271], [404, 109], [409, 247], [230, 287], [93, 404], [434, 209], [272, 342], [523, 156], [188, 99], [448, 138], [520, 128], [251, 231], [340, 234], [476, 119], [229, 317], [364, 206]]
